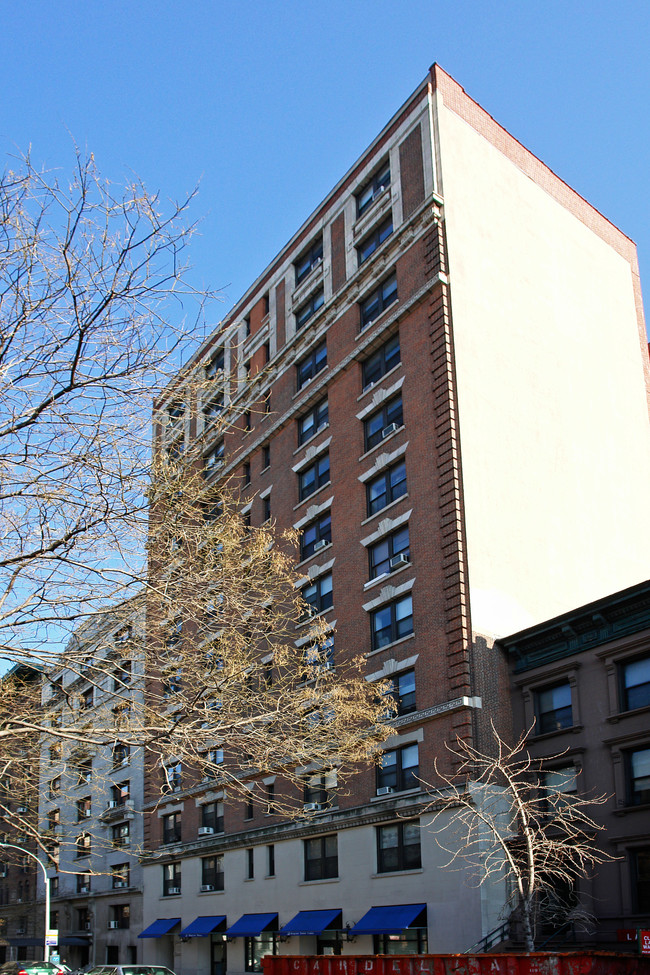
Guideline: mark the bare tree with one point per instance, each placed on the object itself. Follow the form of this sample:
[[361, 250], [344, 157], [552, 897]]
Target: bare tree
[[513, 818]]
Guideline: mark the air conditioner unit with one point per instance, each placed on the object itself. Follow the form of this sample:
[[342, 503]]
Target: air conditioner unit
[[112, 925], [391, 428], [321, 543], [119, 883], [398, 560], [20, 931], [173, 890], [385, 790], [19, 900], [205, 831], [311, 806], [22, 809], [206, 887], [112, 804], [84, 890], [87, 813]]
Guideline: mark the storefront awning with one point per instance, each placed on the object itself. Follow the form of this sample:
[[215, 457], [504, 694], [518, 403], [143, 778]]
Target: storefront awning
[[202, 926], [252, 925], [389, 920], [26, 942], [162, 926], [313, 922]]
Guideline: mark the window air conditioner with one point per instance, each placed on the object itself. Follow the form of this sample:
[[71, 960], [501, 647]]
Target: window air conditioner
[[84, 890], [391, 428], [205, 831], [311, 806], [173, 890], [112, 804], [21, 809], [398, 560], [385, 790], [321, 543], [119, 883], [205, 888], [87, 813], [112, 925]]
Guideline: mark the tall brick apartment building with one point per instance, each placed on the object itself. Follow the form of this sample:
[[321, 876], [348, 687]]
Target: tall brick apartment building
[[441, 381]]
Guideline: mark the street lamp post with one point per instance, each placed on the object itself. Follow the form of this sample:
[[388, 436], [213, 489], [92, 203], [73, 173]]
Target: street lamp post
[[13, 846]]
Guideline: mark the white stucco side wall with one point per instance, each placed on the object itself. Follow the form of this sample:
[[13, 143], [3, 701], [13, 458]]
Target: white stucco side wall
[[554, 428]]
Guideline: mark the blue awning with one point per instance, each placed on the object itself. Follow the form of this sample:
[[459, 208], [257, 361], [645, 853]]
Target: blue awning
[[162, 926], [202, 926], [312, 922], [388, 920], [251, 925]]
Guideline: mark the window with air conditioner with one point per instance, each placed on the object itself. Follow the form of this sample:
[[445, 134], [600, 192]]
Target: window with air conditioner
[[383, 422], [390, 553]]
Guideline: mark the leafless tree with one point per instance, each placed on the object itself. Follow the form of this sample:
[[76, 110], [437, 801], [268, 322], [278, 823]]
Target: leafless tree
[[513, 818]]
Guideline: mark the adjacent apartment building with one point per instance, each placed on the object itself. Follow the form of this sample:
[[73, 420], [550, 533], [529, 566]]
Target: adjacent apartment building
[[441, 382]]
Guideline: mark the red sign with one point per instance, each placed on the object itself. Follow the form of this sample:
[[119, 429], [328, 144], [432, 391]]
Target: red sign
[[644, 942], [626, 934]]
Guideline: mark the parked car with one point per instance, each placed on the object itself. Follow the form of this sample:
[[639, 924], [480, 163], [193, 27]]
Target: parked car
[[42, 968], [130, 970]]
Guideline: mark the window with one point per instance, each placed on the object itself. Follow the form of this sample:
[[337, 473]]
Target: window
[[84, 768], [213, 409], [120, 754], [384, 422], [212, 816], [266, 507], [121, 835], [319, 657], [381, 362], [558, 786], [318, 594], [378, 301], [411, 941], [553, 708], [267, 351], [83, 807], [120, 875], [266, 456], [310, 259], [215, 366], [270, 799], [403, 692], [173, 777], [398, 770], [316, 535], [54, 818], [248, 420], [391, 622], [321, 857], [213, 757], [386, 488], [87, 698], [312, 422], [171, 879], [120, 916], [247, 474], [83, 883], [311, 365], [171, 824], [390, 553], [249, 808], [174, 632], [247, 325], [214, 460], [54, 886], [321, 789], [638, 776], [398, 847], [309, 308], [212, 873], [368, 246], [82, 845], [256, 948], [641, 880], [315, 476], [123, 636], [635, 684], [373, 189], [120, 793], [122, 675], [270, 860], [250, 863], [83, 919]]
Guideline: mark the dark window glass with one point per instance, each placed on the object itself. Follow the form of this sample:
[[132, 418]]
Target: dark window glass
[[213, 409], [316, 535], [386, 488], [321, 858], [214, 460], [212, 872], [381, 362], [171, 879], [121, 835], [384, 422], [266, 456], [411, 941], [373, 188], [321, 789], [172, 828], [310, 308], [378, 301], [212, 816], [215, 365], [318, 594], [368, 246], [247, 474], [319, 657], [312, 422], [250, 863], [270, 860], [121, 875], [256, 948], [391, 622], [638, 768], [641, 879], [312, 364], [553, 707], [398, 847], [403, 692], [389, 553], [314, 476], [635, 684], [398, 769], [310, 259]]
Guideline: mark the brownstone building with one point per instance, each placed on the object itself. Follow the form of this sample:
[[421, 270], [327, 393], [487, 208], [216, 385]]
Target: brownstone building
[[421, 377]]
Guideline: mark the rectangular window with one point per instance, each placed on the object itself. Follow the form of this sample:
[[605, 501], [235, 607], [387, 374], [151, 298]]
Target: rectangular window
[[120, 916], [171, 828], [247, 474], [171, 879], [318, 594], [120, 875], [83, 883], [391, 622], [558, 786], [121, 835], [641, 880], [270, 799], [320, 789], [398, 847], [310, 259], [212, 873], [270, 860], [54, 818], [173, 777], [403, 692], [266, 507], [312, 422], [120, 755], [638, 776], [213, 410], [321, 857], [315, 476], [256, 948], [369, 245], [120, 793], [383, 422], [87, 698], [214, 460], [212, 816], [122, 675], [411, 941], [310, 308], [84, 771], [215, 366], [635, 684], [319, 657], [83, 807], [311, 365], [381, 362], [250, 863], [398, 770], [83, 845], [266, 456], [389, 553], [316, 535], [249, 807], [373, 188], [553, 708], [386, 488], [378, 301]]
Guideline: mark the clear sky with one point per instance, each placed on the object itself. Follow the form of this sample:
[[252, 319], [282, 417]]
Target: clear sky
[[268, 102]]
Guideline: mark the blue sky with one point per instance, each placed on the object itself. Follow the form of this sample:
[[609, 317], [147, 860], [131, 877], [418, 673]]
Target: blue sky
[[269, 103]]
